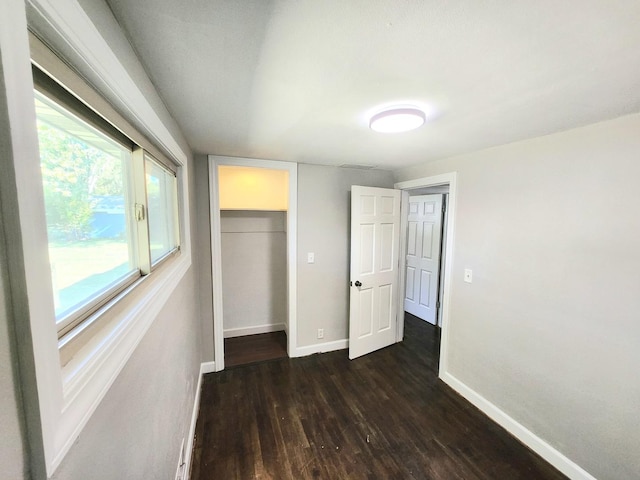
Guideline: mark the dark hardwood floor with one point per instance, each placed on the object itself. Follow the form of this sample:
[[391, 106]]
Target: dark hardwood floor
[[254, 348], [385, 415]]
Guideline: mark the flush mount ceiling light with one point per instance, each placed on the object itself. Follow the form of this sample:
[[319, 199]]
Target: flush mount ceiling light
[[397, 119]]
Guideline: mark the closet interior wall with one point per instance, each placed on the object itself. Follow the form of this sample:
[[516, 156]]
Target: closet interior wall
[[254, 271]]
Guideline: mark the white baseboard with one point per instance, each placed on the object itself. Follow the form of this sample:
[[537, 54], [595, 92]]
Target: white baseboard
[[321, 348], [526, 436], [242, 331], [181, 463], [206, 367]]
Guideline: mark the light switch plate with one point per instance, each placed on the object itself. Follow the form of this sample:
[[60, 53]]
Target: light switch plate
[[468, 275], [311, 257]]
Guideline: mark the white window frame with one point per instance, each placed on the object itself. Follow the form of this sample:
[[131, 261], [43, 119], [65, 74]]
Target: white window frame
[[174, 207], [70, 391]]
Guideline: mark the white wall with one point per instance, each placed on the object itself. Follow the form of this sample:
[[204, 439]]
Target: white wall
[[548, 331], [324, 207], [254, 270], [137, 430]]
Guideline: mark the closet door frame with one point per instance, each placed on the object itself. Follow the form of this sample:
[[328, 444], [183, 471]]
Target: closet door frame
[[216, 249]]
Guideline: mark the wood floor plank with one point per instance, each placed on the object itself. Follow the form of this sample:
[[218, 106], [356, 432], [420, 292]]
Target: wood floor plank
[[385, 415], [254, 348]]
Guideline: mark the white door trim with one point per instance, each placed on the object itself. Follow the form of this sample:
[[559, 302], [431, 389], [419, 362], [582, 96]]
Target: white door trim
[[443, 179], [402, 284], [216, 249]]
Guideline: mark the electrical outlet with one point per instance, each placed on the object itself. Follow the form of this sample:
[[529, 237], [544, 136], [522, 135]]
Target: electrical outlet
[[468, 275], [311, 257], [321, 333]]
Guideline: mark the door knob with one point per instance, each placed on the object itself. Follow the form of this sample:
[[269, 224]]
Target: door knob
[[358, 283]]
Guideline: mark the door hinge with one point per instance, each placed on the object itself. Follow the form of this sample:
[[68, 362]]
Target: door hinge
[[438, 304]]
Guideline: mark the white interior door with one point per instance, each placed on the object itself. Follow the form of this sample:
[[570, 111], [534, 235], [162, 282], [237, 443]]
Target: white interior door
[[375, 238], [423, 256]]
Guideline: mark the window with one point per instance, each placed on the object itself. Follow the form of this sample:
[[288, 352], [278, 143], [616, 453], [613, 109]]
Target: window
[[75, 364], [102, 234], [162, 196], [86, 182]]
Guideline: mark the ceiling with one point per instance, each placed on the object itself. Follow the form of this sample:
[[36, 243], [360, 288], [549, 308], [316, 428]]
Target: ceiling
[[297, 79]]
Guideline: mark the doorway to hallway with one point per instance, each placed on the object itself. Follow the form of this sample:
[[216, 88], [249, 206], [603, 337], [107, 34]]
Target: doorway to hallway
[[426, 220]]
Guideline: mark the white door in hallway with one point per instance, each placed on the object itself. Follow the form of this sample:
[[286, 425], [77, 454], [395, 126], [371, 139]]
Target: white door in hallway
[[375, 238], [423, 256]]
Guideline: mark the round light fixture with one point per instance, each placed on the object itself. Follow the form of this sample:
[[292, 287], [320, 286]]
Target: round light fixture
[[397, 119]]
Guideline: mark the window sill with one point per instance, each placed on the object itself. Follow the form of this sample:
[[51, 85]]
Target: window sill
[[93, 367]]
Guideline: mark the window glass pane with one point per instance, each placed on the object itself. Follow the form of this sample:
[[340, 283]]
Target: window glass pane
[[162, 195], [86, 178]]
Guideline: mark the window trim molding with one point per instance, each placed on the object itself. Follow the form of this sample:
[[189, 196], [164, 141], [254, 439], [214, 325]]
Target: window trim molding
[[73, 25], [69, 395]]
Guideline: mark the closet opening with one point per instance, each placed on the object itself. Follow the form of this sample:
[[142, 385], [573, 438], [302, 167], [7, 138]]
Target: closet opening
[[252, 304], [254, 285]]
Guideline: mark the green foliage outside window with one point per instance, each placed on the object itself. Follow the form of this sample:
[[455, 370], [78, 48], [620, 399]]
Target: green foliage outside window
[[74, 173]]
